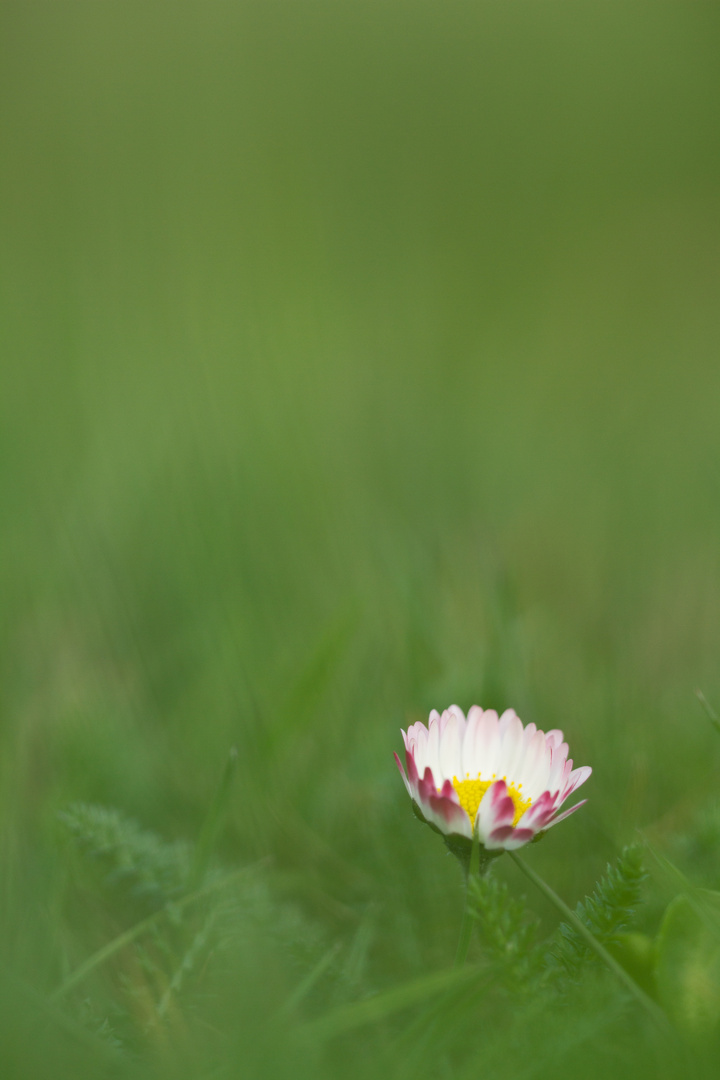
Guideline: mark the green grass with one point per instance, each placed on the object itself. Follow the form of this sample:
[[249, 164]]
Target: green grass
[[356, 359]]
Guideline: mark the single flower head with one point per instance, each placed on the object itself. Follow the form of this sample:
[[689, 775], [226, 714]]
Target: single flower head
[[490, 774]]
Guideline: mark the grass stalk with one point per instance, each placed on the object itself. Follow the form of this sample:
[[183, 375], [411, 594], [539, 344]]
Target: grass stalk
[[466, 926], [213, 821]]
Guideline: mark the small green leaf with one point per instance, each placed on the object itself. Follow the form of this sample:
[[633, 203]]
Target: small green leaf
[[636, 952], [688, 965]]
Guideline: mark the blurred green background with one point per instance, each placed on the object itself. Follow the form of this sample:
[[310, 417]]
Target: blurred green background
[[357, 358]]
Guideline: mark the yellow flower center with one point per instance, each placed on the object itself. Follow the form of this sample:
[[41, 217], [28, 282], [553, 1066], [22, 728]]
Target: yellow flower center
[[470, 792]]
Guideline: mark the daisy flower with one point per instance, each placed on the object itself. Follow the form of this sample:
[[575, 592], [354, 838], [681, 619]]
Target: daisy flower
[[489, 775]]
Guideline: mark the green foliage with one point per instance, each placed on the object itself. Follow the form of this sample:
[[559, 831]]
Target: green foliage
[[356, 358], [606, 913], [507, 931], [696, 846], [688, 962], [132, 860], [176, 953]]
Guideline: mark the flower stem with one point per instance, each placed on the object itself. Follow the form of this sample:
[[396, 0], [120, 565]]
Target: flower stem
[[467, 919], [628, 982]]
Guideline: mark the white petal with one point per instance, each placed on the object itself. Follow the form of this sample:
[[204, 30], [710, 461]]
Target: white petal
[[535, 768], [418, 745], [460, 715], [470, 757], [512, 748], [507, 717], [451, 746], [558, 759], [554, 738], [432, 750], [488, 745]]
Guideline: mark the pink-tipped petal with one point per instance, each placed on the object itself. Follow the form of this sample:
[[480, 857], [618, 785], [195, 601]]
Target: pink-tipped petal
[[576, 778], [450, 816], [507, 838], [448, 792], [504, 812], [496, 809], [426, 788], [402, 773], [567, 769], [412, 769], [565, 814], [537, 815]]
